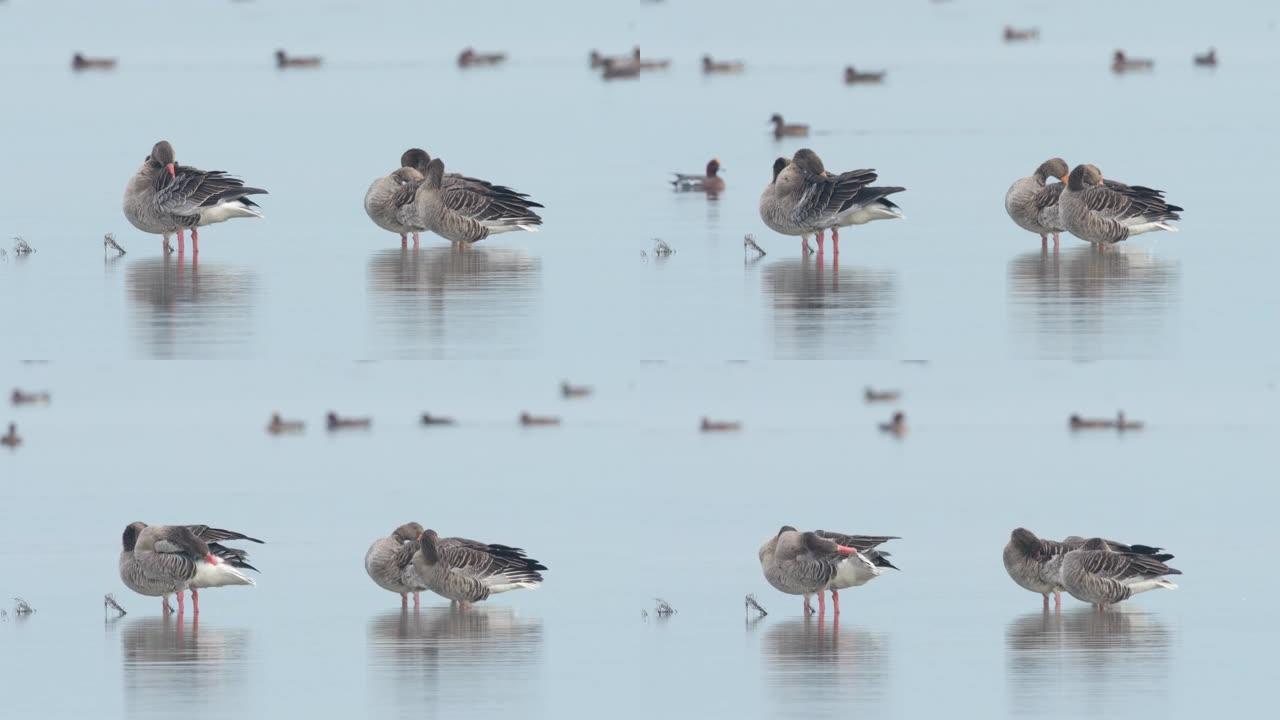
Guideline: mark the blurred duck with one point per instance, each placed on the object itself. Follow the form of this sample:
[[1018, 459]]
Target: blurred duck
[[471, 58], [1209, 59], [298, 61], [1075, 422], [721, 67], [1123, 63], [529, 420], [709, 183], [568, 390], [429, 419], [896, 426], [1123, 423], [853, 77], [1105, 212], [80, 62], [1012, 34], [280, 426], [333, 422], [709, 425], [647, 64], [872, 395], [620, 69], [781, 129], [11, 439], [599, 61], [29, 398]]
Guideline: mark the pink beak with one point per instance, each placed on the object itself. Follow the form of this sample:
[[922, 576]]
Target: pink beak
[[172, 173], [211, 559], [846, 550]]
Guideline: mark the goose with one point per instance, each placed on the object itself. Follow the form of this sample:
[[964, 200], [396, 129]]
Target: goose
[[1035, 564], [1033, 205], [284, 61], [164, 197], [710, 183], [385, 199], [781, 129], [1121, 63], [389, 563], [868, 204], [802, 563], [861, 567], [474, 197], [853, 77], [466, 571], [464, 213], [80, 62], [803, 199], [470, 58], [1108, 212], [1099, 574], [722, 67], [162, 560], [11, 439]]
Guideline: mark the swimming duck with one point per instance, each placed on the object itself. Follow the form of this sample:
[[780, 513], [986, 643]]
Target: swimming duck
[[298, 61], [80, 62], [853, 77], [781, 129], [11, 438], [280, 426], [709, 425], [723, 67], [471, 58], [333, 422], [528, 420], [896, 426], [710, 183], [1121, 63]]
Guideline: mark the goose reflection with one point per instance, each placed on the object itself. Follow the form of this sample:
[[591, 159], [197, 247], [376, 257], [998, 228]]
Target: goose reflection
[[170, 662], [1084, 304], [190, 309], [433, 301], [1074, 662], [823, 666], [821, 310], [444, 656]]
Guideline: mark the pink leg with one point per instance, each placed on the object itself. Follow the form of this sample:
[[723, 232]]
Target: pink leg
[[835, 602], [1057, 601], [416, 601], [1046, 602], [1044, 241], [415, 245], [404, 600], [182, 242], [182, 605], [167, 247], [195, 594], [404, 240], [808, 609], [822, 237], [835, 240], [164, 605], [822, 603], [195, 250], [1056, 237]]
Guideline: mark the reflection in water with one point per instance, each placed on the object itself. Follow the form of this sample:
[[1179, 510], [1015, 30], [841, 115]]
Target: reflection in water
[[171, 664], [483, 658], [1084, 304], [823, 668], [821, 309], [1083, 662], [441, 302], [190, 309]]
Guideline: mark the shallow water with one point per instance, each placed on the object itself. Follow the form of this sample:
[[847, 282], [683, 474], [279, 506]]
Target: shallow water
[[993, 341]]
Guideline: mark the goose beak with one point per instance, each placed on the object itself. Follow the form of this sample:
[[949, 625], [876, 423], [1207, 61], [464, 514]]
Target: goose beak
[[172, 173], [846, 550], [211, 559]]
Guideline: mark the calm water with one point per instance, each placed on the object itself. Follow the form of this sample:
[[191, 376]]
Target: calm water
[[993, 341]]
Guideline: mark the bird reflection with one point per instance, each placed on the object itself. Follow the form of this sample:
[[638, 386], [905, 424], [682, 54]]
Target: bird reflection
[[433, 301], [1084, 304], [1071, 663], [191, 309], [440, 656], [820, 665], [169, 660], [826, 310]]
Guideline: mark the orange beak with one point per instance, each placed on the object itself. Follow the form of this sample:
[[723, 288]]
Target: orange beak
[[172, 173], [1063, 179]]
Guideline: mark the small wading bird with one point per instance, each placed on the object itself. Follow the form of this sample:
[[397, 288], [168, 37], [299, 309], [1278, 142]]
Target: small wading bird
[[163, 560], [164, 198]]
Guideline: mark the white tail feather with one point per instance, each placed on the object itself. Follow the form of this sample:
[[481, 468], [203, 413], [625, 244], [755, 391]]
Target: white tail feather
[[226, 211], [218, 575], [506, 587], [1142, 586]]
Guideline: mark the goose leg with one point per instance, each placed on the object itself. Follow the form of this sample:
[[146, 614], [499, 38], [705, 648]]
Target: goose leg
[[415, 247], [164, 605], [804, 245], [808, 609], [1057, 600], [404, 600], [1044, 241], [167, 250], [182, 605], [835, 241], [195, 594], [404, 240], [1046, 602], [821, 238], [195, 242], [1056, 237], [416, 601], [835, 602], [822, 604], [182, 242]]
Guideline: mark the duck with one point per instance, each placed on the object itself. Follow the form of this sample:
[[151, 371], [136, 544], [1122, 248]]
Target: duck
[[1208, 59], [1123, 423], [722, 67], [333, 422], [298, 61], [709, 425], [872, 395], [163, 197], [280, 426], [1075, 422], [163, 560], [896, 426], [1107, 212], [1121, 63], [389, 563], [1033, 205], [1035, 564], [782, 129], [569, 390], [802, 563], [470, 58], [620, 69], [429, 419], [529, 420], [18, 397], [80, 62], [853, 77], [1012, 34], [11, 439], [467, 571], [599, 61], [1102, 576], [710, 183], [647, 64]]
